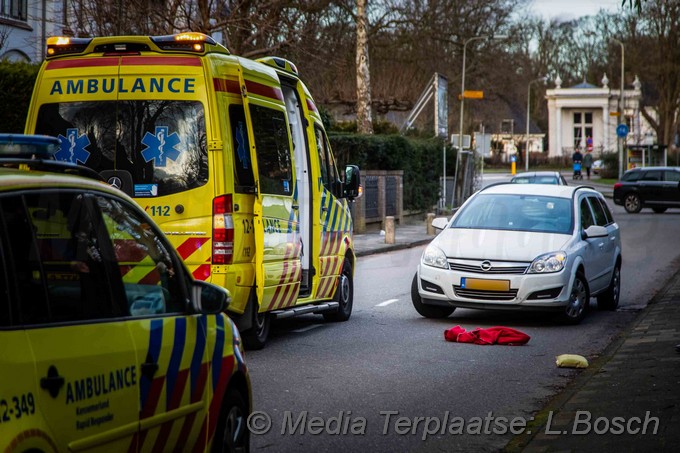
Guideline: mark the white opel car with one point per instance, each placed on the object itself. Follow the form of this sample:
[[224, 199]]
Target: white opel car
[[523, 246]]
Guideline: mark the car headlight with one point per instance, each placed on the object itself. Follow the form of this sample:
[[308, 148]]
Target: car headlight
[[433, 256], [550, 262]]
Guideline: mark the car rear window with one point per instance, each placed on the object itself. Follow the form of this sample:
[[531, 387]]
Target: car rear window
[[160, 144], [517, 212]]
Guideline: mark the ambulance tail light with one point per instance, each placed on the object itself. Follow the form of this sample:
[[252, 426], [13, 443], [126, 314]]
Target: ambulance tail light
[[223, 230], [64, 45]]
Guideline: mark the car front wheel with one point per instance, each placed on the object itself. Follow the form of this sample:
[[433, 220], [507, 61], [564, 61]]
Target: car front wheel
[[428, 311], [576, 308], [632, 203], [232, 435]]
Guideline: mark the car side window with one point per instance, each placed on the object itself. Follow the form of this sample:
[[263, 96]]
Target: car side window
[[607, 212], [60, 259], [5, 310], [151, 276], [586, 216], [598, 212], [671, 175], [651, 175]]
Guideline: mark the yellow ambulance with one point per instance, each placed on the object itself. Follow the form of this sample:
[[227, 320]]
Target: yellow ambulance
[[228, 155]]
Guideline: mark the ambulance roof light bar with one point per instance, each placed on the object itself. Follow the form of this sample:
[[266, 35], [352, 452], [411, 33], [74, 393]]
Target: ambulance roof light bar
[[64, 45], [189, 41]]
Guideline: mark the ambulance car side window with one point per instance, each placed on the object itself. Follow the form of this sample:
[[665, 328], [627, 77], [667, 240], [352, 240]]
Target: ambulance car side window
[[329, 173], [61, 261], [323, 157], [5, 310], [273, 150], [151, 277], [244, 181]]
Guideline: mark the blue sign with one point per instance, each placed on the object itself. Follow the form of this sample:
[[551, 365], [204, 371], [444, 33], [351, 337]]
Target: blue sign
[[513, 158], [73, 146], [622, 130], [160, 146]]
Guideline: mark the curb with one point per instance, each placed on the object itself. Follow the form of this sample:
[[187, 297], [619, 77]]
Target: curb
[[521, 441], [392, 247]]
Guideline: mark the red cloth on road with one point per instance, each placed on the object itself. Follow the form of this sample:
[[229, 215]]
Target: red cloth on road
[[490, 335]]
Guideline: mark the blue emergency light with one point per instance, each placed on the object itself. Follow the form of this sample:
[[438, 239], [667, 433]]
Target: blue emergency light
[[21, 146]]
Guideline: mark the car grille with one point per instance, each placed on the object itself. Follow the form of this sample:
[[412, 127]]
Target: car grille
[[497, 267], [484, 295]]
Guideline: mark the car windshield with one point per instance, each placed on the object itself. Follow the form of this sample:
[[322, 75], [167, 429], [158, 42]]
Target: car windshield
[[535, 180], [517, 212]]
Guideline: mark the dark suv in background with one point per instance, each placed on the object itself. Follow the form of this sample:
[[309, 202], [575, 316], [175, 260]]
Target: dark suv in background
[[650, 187]]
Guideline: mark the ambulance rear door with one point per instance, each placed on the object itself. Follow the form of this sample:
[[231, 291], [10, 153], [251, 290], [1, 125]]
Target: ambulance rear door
[[276, 219]]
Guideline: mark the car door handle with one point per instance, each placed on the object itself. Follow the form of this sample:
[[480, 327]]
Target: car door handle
[[601, 245], [296, 207], [149, 367], [53, 382], [612, 238]]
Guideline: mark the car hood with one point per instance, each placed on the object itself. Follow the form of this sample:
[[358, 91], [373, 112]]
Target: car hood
[[498, 244]]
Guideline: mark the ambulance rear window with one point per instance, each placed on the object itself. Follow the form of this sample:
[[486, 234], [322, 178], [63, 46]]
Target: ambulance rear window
[[157, 146]]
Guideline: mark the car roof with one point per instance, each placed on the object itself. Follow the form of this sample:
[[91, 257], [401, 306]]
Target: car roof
[[652, 168], [549, 190]]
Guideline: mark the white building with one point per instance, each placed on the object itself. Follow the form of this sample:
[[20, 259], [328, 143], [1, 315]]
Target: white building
[[25, 25], [586, 116]]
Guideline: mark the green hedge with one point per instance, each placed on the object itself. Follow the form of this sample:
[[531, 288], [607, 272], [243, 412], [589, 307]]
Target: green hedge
[[16, 87], [420, 159]]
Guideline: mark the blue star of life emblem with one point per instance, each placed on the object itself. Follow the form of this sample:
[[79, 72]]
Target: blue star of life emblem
[[160, 146], [73, 146]]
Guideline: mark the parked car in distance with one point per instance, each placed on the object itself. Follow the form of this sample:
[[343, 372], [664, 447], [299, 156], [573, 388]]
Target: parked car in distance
[[108, 341], [649, 187], [597, 166], [518, 247], [539, 177]]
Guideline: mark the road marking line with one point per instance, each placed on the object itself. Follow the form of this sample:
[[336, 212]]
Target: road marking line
[[305, 329], [387, 302]]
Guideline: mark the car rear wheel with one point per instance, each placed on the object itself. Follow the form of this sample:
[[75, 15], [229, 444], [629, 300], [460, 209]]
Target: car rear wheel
[[577, 306], [632, 203], [344, 295], [428, 311], [659, 210], [609, 300], [256, 337], [232, 435]]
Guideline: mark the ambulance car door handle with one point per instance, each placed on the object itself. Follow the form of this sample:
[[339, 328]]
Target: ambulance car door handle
[[53, 382], [324, 208], [149, 367], [296, 207]]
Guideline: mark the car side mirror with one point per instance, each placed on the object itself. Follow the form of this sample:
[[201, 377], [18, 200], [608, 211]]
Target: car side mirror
[[209, 299], [352, 182], [595, 231], [440, 223]]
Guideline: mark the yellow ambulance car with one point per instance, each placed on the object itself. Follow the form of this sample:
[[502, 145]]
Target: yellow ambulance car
[[228, 155], [107, 344]]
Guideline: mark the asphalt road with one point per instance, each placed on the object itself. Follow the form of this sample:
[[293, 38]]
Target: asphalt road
[[333, 387]]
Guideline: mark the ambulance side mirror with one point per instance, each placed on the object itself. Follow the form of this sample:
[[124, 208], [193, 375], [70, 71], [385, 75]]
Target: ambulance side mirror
[[209, 299], [352, 184]]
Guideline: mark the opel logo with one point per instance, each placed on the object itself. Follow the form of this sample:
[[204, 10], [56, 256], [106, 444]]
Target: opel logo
[[486, 266], [116, 182]]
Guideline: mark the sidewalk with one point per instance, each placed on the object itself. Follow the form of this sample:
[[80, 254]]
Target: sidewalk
[[627, 400], [405, 236]]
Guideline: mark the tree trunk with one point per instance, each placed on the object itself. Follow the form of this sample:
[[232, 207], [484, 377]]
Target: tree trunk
[[364, 117]]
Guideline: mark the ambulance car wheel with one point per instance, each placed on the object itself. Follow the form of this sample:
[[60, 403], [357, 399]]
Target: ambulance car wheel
[[256, 337], [344, 295], [232, 433]]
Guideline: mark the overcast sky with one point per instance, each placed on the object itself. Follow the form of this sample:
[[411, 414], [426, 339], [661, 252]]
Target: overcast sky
[[571, 9]]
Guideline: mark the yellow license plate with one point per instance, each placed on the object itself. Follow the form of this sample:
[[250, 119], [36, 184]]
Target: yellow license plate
[[488, 285]]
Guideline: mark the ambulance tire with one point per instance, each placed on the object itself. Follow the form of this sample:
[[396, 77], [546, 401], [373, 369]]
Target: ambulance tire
[[255, 338], [344, 295], [232, 434]]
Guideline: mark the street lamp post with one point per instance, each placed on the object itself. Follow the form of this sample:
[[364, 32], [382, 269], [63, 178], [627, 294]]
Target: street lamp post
[[526, 150], [462, 104], [621, 106]]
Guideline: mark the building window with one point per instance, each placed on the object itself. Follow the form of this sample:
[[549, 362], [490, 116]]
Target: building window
[[15, 9], [583, 129]]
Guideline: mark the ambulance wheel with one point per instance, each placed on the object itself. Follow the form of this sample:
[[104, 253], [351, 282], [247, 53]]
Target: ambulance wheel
[[232, 433], [256, 337], [344, 295]]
